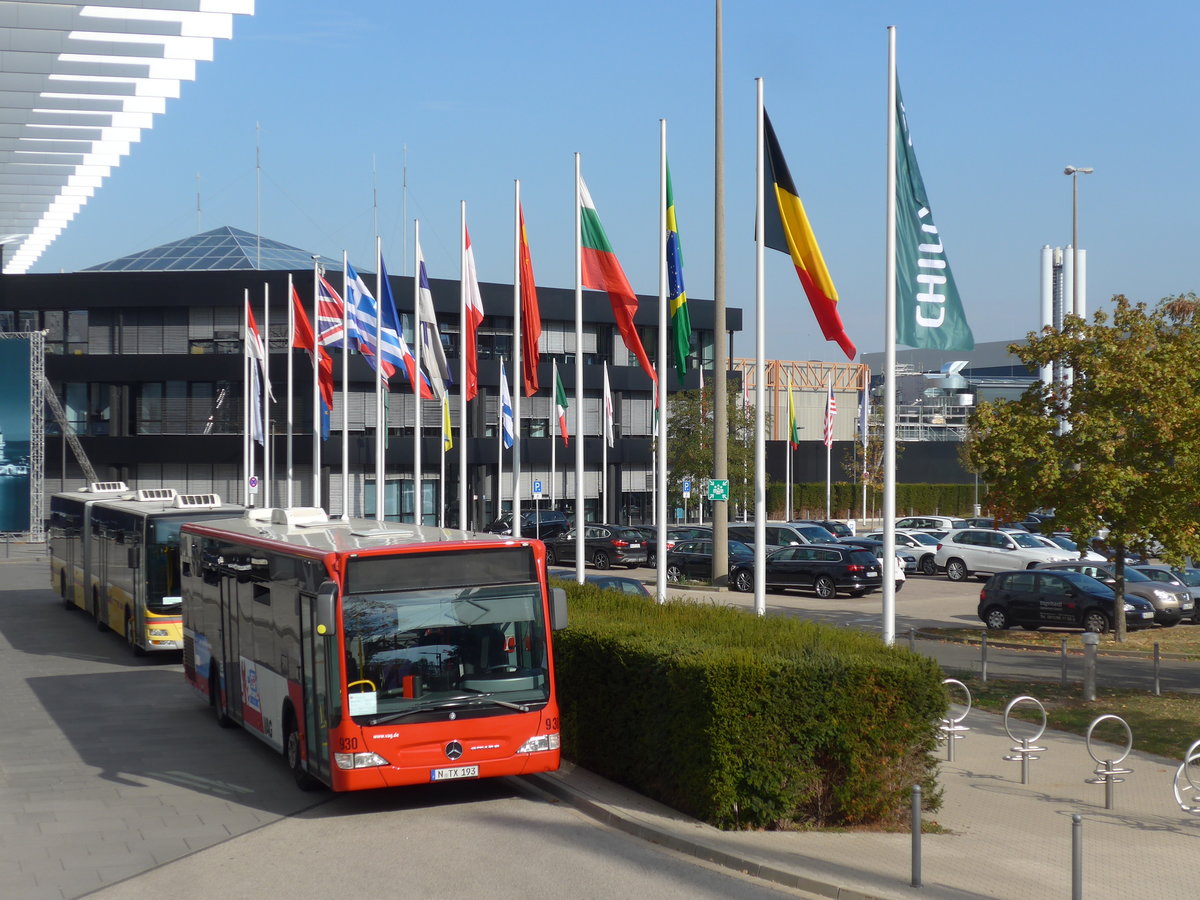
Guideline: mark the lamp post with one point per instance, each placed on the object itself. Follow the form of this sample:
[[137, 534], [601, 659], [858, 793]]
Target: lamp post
[[1075, 172]]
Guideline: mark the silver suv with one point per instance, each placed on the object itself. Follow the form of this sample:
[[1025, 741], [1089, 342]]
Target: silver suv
[[969, 551]]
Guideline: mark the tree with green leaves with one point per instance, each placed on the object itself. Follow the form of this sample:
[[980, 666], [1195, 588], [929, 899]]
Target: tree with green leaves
[[1117, 446], [690, 447]]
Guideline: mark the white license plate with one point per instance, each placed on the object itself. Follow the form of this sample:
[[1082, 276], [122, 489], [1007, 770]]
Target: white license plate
[[871, 572], [1185, 606], [1147, 615], [456, 772], [635, 546]]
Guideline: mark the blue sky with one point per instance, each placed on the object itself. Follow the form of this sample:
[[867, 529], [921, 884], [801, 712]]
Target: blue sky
[[1000, 98]]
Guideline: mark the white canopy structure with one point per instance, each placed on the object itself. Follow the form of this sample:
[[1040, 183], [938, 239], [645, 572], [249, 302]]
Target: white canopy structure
[[78, 84]]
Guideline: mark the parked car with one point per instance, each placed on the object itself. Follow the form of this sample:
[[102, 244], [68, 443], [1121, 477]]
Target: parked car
[[989, 522], [968, 551], [1170, 603], [689, 532], [815, 532], [603, 546], [930, 523], [922, 543], [543, 524], [838, 529], [650, 534], [906, 560], [622, 583], [824, 569], [779, 534], [693, 559], [1186, 578], [1033, 598], [1063, 540]]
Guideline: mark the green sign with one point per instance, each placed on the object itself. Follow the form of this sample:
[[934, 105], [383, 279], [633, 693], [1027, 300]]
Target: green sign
[[718, 490]]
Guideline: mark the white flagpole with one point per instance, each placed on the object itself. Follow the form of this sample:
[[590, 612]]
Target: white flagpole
[[518, 372], [760, 409], [345, 388], [828, 446], [580, 519], [787, 450], [462, 366], [604, 430], [418, 336], [442, 473], [500, 445], [291, 334], [889, 366], [380, 412], [316, 386], [660, 444], [553, 426], [266, 397], [247, 458]]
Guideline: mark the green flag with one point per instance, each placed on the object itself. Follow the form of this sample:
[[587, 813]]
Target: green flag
[[681, 321], [929, 312]]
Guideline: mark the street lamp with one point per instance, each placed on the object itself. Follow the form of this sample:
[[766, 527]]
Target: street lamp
[[1075, 172]]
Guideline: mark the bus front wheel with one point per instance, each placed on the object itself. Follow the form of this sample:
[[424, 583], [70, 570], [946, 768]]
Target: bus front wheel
[[291, 750], [214, 697], [131, 635]]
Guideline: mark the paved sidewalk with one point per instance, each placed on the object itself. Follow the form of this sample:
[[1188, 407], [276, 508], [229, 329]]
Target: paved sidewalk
[[1006, 840]]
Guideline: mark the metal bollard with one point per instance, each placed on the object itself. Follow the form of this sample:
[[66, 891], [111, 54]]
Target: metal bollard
[[1157, 663], [1091, 641], [983, 658], [1076, 857], [916, 836], [1063, 679], [912, 639]]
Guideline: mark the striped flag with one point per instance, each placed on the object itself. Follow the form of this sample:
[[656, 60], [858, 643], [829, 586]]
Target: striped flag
[[474, 318], [793, 428], [560, 404], [531, 317], [830, 412], [608, 410], [257, 353], [434, 366], [506, 412], [681, 320]]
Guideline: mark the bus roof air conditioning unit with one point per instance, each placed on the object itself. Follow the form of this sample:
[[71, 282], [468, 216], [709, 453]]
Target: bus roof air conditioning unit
[[297, 516], [197, 501], [145, 495], [105, 487]]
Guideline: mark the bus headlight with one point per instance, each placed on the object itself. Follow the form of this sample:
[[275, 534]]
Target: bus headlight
[[541, 742], [158, 632], [358, 760]]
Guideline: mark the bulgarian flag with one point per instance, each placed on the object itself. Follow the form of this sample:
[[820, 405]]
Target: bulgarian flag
[[602, 272], [560, 405]]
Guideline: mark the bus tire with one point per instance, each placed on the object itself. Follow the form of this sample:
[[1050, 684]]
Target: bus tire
[[130, 637], [292, 754], [68, 603], [214, 697], [100, 626]]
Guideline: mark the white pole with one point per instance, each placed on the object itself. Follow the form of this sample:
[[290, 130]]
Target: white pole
[[418, 336], [889, 345], [380, 411], [316, 386], [442, 472], [247, 457], [291, 332], [553, 426], [760, 408], [518, 372], [828, 448], [345, 388], [660, 455], [266, 397], [500, 446], [462, 367], [579, 435], [605, 399]]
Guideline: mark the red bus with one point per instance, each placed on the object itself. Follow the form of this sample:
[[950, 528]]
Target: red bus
[[374, 654]]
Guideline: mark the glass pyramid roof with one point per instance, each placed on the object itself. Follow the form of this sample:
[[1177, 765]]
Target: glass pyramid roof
[[221, 249]]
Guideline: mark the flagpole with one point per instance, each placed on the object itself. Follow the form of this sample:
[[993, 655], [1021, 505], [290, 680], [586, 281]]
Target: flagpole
[[605, 400], [579, 493], [889, 366], [316, 386], [380, 413], [788, 447], [291, 333], [442, 473], [246, 450], [660, 444], [516, 359], [418, 336], [267, 398], [462, 366], [760, 338], [345, 388], [500, 445], [553, 439], [828, 445]]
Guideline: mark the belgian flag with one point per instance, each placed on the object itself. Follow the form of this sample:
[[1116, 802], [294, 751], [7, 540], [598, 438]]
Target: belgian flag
[[787, 230]]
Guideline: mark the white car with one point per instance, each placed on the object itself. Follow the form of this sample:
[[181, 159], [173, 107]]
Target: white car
[[921, 544], [1057, 541], [973, 551], [930, 523]]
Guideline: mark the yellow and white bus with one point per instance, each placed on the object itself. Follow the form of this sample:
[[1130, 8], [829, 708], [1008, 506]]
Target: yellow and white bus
[[69, 539]]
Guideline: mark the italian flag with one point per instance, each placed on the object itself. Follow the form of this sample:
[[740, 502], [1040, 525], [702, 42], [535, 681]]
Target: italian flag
[[602, 272], [560, 405]]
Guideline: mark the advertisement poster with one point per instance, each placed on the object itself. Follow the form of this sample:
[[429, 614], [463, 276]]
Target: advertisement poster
[[14, 436]]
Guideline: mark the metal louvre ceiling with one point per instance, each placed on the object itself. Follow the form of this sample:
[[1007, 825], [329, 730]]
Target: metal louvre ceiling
[[78, 84]]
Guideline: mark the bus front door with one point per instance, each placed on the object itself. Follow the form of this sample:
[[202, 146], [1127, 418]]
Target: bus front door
[[315, 678]]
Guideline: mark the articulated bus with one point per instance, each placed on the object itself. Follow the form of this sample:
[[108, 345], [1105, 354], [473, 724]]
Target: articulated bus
[[70, 549], [129, 562], [374, 654]]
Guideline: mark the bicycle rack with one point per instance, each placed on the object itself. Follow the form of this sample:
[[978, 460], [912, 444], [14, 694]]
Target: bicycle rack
[[1108, 770], [951, 727], [1193, 803], [1025, 750]]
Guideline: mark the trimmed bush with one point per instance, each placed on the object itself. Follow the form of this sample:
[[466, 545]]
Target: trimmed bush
[[808, 500], [746, 722]]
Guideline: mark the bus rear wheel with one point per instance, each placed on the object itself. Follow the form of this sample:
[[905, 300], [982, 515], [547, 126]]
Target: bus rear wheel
[[291, 751], [100, 626]]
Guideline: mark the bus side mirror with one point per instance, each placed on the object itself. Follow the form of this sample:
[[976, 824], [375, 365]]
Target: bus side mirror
[[326, 605], [558, 608]]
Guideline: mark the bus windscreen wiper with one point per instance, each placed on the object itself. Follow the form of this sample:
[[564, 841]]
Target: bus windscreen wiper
[[450, 703]]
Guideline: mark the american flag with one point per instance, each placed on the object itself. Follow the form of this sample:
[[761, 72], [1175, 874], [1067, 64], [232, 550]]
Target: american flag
[[830, 412]]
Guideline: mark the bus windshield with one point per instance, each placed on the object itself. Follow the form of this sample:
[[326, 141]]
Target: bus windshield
[[162, 564], [418, 651]]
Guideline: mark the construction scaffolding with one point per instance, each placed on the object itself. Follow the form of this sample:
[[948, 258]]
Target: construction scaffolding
[[37, 430], [806, 377]]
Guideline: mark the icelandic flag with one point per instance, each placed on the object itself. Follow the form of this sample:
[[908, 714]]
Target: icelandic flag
[[506, 414], [364, 312]]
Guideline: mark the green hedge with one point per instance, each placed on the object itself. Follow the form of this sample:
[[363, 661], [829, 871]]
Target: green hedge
[[746, 722], [808, 500]]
